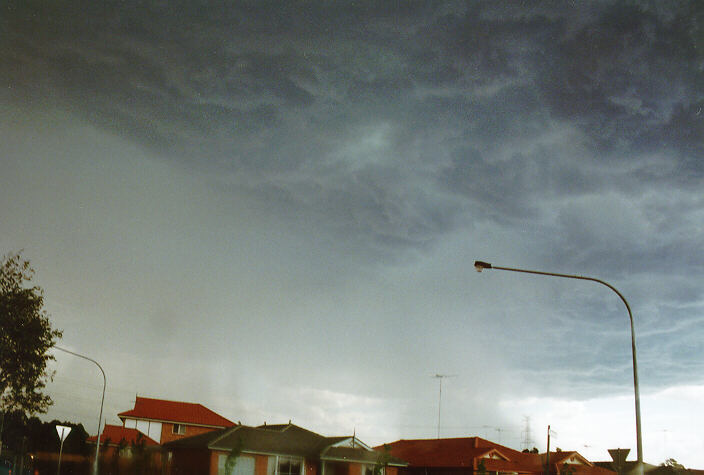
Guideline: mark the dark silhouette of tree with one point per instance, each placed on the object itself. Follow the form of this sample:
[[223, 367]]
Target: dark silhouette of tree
[[140, 456], [481, 468], [25, 337], [566, 469], [29, 434]]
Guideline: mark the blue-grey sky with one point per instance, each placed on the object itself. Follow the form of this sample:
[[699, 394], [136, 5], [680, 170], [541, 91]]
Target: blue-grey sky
[[273, 209]]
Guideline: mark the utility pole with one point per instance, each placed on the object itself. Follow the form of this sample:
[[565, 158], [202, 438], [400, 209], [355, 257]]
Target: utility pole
[[22, 454], [441, 377], [547, 458]]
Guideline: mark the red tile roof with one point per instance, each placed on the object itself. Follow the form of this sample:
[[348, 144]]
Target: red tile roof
[[175, 411], [117, 433], [465, 452], [457, 452]]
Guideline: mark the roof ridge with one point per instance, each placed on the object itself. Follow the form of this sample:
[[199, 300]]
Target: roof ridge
[[169, 400], [225, 433], [442, 438], [175, 411]]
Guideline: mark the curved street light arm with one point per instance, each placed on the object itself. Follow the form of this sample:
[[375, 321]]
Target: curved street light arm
[[481, 265], [102, 401]]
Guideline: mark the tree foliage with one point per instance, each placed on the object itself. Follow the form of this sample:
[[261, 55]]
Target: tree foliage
[[231, 459], [25, 337], [382, 461], [567, 469], [673, 466], [41, 436]]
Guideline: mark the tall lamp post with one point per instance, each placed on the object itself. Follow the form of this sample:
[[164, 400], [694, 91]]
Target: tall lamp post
[[481, 265], [102, 401]]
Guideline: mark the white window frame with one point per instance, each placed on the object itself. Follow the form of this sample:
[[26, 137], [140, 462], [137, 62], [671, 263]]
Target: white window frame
[[280, 458], [371, 467], [178, 429]]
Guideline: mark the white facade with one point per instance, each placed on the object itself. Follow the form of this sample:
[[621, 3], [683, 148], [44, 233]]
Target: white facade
[[149, 428]]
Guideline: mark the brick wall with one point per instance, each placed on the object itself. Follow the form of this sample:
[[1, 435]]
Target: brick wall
[[167, 432]]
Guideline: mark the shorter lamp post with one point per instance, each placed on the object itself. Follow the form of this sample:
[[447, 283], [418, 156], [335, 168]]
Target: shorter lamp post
[[102, 401], [481, 265]]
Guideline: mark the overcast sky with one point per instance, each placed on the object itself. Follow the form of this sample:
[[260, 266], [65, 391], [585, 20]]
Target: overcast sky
[[273, 210]]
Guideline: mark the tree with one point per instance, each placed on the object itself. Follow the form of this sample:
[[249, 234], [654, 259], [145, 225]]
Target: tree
[[25, 337], [671, 465], [382, 461], [566, 469], [231, 459]]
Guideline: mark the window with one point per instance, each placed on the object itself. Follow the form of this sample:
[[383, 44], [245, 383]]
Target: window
[[369, 470], [179, 429], [290, 466]]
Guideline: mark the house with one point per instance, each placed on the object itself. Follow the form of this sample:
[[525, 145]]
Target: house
[[164, 421], [469, 455], [572, 463], [283, 449], [120, 439]]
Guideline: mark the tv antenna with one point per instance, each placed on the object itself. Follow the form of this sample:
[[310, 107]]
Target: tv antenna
[[440, 377]]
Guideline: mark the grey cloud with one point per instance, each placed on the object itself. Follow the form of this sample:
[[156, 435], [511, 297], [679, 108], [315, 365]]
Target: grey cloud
[[625, 76], [357, 156], [266, 98]]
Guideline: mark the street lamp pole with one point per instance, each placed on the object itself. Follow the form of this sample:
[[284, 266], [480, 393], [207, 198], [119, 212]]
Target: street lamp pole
[[102, 401], [481, 265]]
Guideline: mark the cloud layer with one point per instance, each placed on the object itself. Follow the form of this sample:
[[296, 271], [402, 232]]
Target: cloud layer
[[322, 176]]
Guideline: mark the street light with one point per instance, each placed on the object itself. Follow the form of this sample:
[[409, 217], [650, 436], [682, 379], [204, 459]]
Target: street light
[[481, 265], [100, 417]]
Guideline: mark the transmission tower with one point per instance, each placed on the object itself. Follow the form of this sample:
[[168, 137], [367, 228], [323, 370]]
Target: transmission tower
[[527, 441]]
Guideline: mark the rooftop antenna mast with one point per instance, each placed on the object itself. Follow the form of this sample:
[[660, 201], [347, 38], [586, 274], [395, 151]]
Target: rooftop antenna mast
[[440, 377], [527, 434]]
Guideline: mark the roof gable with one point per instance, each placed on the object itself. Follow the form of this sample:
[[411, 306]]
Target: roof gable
[[175, 412], [350, 441], [493, 454], [571, 457]]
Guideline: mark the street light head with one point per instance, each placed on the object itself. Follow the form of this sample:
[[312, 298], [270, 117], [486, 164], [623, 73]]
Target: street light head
[[481, 265]]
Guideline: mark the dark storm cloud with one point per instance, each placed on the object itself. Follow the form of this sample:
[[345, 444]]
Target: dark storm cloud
[[632, 79], [387, 127], [255, 89]]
